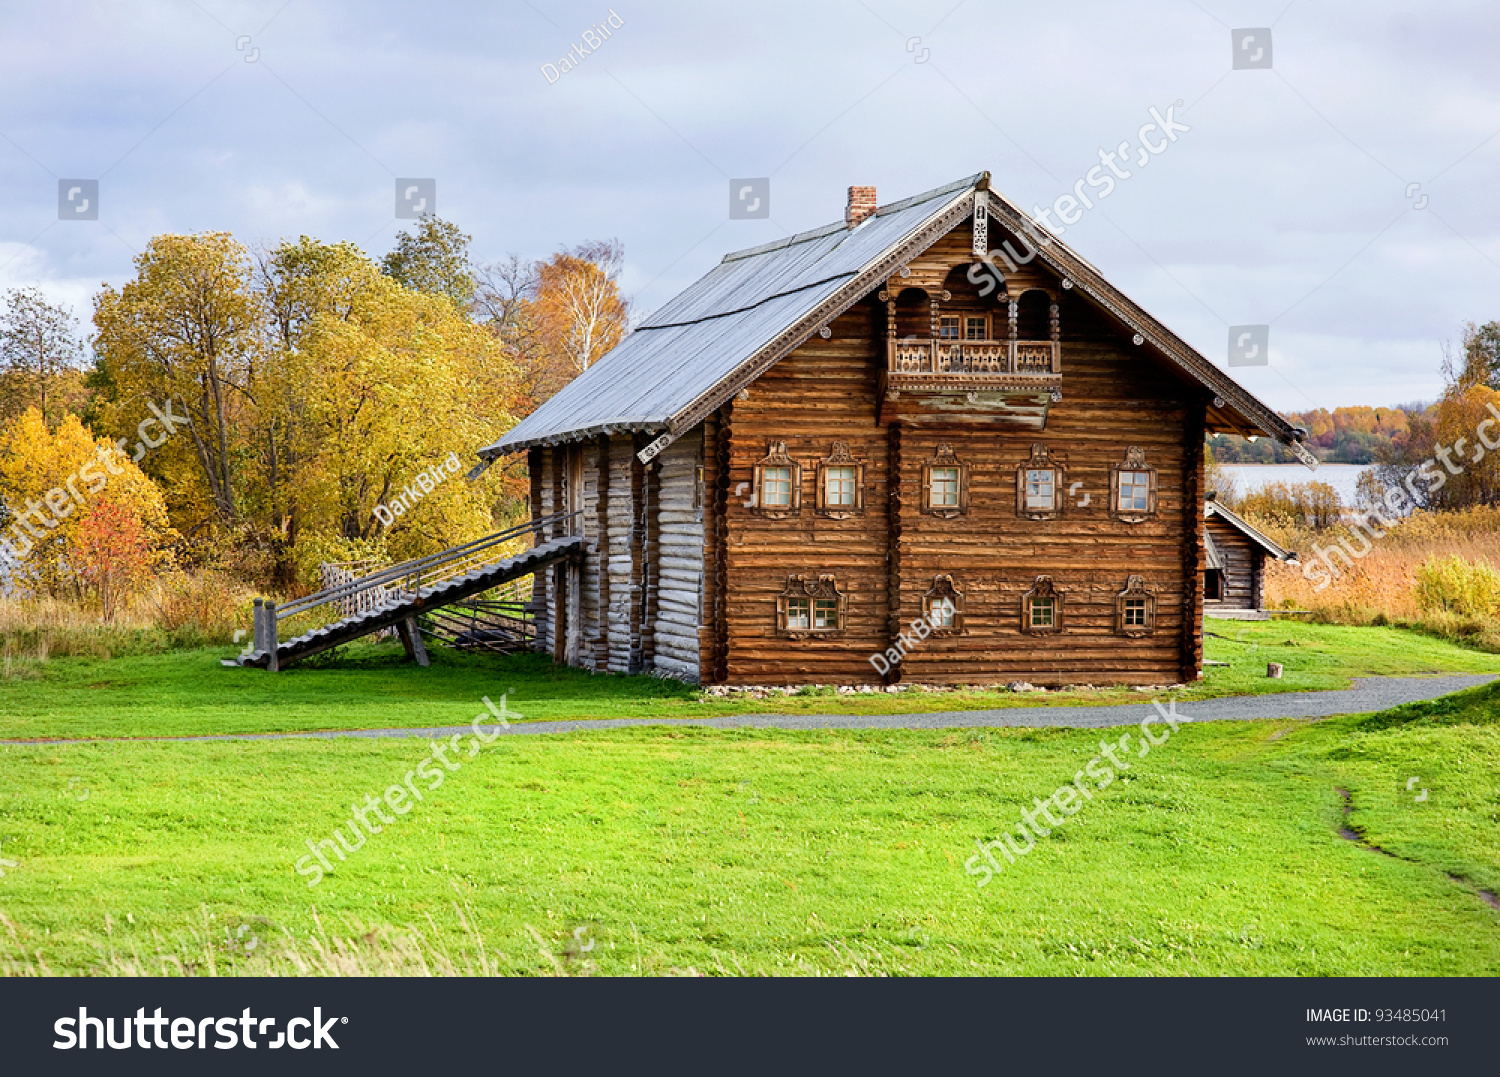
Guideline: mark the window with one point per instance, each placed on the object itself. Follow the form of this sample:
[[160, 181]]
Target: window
[[976, 327], [805, 609], [945, 484], [1135, 491], [1213, 585], [1042, 608], [948, 327], [1135, 608], [841, 482], [1132, 493], [1039, 485], [778, 485], [943, 607], [944, 487]]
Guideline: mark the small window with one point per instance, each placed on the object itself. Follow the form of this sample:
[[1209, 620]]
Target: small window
[[943, 607], [1135, 491], [1213, 585], [948, 326], [1039, 485], [1135, 608], [942, 611], [1042, 608], [841, 481], [1132, 495], [976, 327], [778, 485], [945, 484], [805, 609]]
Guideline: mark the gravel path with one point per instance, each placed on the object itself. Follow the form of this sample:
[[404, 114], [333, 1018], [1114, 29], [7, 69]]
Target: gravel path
[[1368, 694]]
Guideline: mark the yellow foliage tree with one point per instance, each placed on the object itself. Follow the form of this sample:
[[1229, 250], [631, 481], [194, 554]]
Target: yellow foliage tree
[[51, 482]]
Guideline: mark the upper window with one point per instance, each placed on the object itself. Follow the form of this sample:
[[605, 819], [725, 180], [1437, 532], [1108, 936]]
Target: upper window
[[841, 484], [809, 609], [1042, 608], [1132, 494], [948, 326], [945, 484], [1135, 608], [976, 327], [778, 484], [1039, 485]]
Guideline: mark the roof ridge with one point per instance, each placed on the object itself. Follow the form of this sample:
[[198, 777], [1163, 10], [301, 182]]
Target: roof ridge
[[840, 226]]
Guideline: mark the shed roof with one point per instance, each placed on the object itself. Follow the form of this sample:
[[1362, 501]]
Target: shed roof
[[1238, 522], [733, 324]]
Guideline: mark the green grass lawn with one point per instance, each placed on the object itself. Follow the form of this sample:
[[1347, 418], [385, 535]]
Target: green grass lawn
[[372, 686], [660, 850]]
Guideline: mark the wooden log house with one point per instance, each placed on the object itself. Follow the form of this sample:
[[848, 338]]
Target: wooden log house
[[835, 435], [1235, 553]]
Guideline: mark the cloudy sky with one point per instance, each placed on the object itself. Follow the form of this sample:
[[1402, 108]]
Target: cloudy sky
[[1345, 196]]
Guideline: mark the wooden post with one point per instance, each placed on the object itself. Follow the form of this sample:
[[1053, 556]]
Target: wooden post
[[259, 632], [269, 616], [411, 640], [559, 612]]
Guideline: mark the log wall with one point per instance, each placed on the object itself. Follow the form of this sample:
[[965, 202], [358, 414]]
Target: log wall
[[1240, 568]]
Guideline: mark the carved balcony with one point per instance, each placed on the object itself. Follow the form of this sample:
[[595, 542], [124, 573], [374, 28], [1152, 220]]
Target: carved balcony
[[973, 364]]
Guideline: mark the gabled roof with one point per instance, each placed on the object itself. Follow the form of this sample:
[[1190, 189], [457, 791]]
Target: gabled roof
[[757, 305], [1238, 522]]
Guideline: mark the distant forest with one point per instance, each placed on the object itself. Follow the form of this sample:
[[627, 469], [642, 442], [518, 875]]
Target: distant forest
[[1357, 435]]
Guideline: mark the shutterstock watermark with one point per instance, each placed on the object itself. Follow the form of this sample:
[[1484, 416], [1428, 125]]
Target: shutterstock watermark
[[401, 798], [1402, 499], [1070, 207], [426, 482], [1068, 799], [60, 502]]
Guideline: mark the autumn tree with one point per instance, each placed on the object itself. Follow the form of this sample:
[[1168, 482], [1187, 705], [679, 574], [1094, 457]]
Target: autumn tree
[[188, 328], [580, 312], [433, 259], [51, 481], [41, 356]]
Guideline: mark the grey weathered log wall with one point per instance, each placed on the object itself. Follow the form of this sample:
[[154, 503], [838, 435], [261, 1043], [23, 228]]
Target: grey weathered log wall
[[1239, 555]]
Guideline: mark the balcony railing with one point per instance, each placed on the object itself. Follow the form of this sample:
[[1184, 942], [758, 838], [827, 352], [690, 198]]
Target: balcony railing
[[985, 358]]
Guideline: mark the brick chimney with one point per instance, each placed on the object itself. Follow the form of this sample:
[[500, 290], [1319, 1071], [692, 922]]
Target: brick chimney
[[861, 205]]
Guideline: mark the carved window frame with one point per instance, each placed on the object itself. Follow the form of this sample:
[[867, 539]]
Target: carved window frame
[[798, 589], [1136, 591], [943, 587], [840, 457], [777, 456], [1041, 459], [1042, 588], [945, 458], [1135, 461]]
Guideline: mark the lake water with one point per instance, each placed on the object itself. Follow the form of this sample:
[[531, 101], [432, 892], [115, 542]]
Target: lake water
[[1342, 477]]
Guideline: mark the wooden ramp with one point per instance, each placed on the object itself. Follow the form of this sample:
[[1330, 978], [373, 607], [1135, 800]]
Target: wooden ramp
[[403, 593]]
